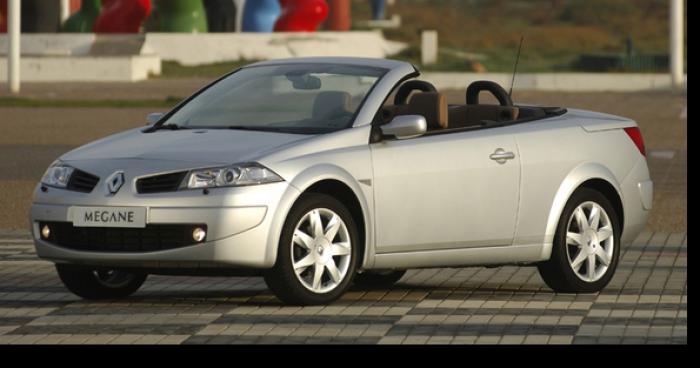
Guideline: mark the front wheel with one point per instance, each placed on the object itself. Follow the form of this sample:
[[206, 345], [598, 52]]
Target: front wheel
[[586, 245], [98, 283], [318, 252]]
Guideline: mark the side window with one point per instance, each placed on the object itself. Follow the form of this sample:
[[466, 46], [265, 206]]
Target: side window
[[388, 110], [390, 101]]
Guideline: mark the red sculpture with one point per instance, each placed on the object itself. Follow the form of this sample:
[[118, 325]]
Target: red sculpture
[[122, 16], [301, 15]]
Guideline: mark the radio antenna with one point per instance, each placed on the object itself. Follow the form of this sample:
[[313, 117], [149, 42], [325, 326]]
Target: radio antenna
[[515, 68]]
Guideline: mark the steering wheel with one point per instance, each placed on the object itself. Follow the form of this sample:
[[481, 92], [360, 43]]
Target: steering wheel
[[410, 86], [495, 89]]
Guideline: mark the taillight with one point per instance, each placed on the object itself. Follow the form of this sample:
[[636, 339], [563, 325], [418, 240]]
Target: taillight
[[636, 136]]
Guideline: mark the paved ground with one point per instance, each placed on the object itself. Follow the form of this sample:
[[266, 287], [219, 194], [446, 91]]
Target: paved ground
[[645, 303]]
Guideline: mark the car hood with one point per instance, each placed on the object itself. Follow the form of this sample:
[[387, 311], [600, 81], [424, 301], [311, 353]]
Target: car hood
[[200, 147]]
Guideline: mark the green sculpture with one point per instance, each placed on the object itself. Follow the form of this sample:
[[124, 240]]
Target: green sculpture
[[187, 16], [84, 19]]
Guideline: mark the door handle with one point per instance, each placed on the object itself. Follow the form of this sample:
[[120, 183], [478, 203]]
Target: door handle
[[501, 156]]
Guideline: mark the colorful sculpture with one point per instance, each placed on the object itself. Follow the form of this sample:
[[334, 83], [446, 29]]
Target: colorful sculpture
[[339, 16], [378, 9], [84, 19], [301, 15], [221, 15], [260, 15], [186, 16], [122, 16]]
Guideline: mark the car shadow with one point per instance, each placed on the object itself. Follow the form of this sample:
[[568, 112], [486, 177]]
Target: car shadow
[[263, 297]]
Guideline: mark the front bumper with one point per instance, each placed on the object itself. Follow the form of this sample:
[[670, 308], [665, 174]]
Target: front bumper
[[242, 229]]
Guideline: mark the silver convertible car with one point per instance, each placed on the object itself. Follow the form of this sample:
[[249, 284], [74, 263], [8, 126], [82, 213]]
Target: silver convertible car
[[317, 173]]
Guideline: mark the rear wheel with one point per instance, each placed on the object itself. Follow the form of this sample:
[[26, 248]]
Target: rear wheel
[[379, 278], [586, 245], [100, 283], [318, 252]]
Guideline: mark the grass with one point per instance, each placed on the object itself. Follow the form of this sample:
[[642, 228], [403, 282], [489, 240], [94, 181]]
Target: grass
[[498, 61], [556, 32], [167, 102]]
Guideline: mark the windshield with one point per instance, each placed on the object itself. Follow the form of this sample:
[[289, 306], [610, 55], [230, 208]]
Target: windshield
[[297, 98]]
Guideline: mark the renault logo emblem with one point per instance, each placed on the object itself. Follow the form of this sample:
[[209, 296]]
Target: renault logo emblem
[[114, 182]]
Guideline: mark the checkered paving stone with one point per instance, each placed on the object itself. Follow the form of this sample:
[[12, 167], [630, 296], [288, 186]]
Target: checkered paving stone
[[646, 302]]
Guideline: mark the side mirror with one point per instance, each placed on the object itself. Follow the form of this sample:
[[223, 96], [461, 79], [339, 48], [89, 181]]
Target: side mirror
[[153, 117], [405, 126]]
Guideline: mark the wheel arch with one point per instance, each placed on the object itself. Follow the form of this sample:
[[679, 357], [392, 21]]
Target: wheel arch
[[611, 193], [340, 184], [589, 175]]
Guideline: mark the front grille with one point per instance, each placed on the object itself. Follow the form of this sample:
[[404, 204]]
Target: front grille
[[80, 181], [152, 238], [160, 183]]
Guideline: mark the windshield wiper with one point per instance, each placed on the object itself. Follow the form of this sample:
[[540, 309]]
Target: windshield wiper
[[265, 128], [280, 129], [168, 127]]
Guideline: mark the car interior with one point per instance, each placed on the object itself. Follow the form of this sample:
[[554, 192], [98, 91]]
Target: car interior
[[416, 97], [332, 104]]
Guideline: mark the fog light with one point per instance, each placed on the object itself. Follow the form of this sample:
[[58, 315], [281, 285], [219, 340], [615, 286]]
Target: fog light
[[45, 231], [199, 234]]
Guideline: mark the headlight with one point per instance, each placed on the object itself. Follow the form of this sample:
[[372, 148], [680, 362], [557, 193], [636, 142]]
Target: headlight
[[57, 175], [231, 176]]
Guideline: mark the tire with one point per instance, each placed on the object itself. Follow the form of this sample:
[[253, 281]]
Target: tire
[[559, 271], [313, 256], [98, 283], [378, 278]]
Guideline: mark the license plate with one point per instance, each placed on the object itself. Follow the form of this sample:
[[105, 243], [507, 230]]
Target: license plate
[[109, 216]]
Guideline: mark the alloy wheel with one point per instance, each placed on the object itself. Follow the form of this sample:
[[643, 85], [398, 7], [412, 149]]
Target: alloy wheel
[[590, 241], [321, 250]]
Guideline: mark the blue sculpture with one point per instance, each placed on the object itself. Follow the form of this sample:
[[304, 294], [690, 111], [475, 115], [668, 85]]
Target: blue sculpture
[[378, 8], [260, 15]]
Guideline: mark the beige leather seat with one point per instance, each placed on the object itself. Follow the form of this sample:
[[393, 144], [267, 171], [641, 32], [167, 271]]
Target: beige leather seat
[[431, 105]]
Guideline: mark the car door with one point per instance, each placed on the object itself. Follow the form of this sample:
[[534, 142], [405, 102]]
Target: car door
[[446, 191]]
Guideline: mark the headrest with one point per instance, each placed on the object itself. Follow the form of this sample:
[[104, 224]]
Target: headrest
[[329, 103], [431, 105]]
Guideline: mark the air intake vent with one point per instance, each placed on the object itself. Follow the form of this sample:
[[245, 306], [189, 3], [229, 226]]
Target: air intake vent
[[160, 183], [153, 237], [80, 181]]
